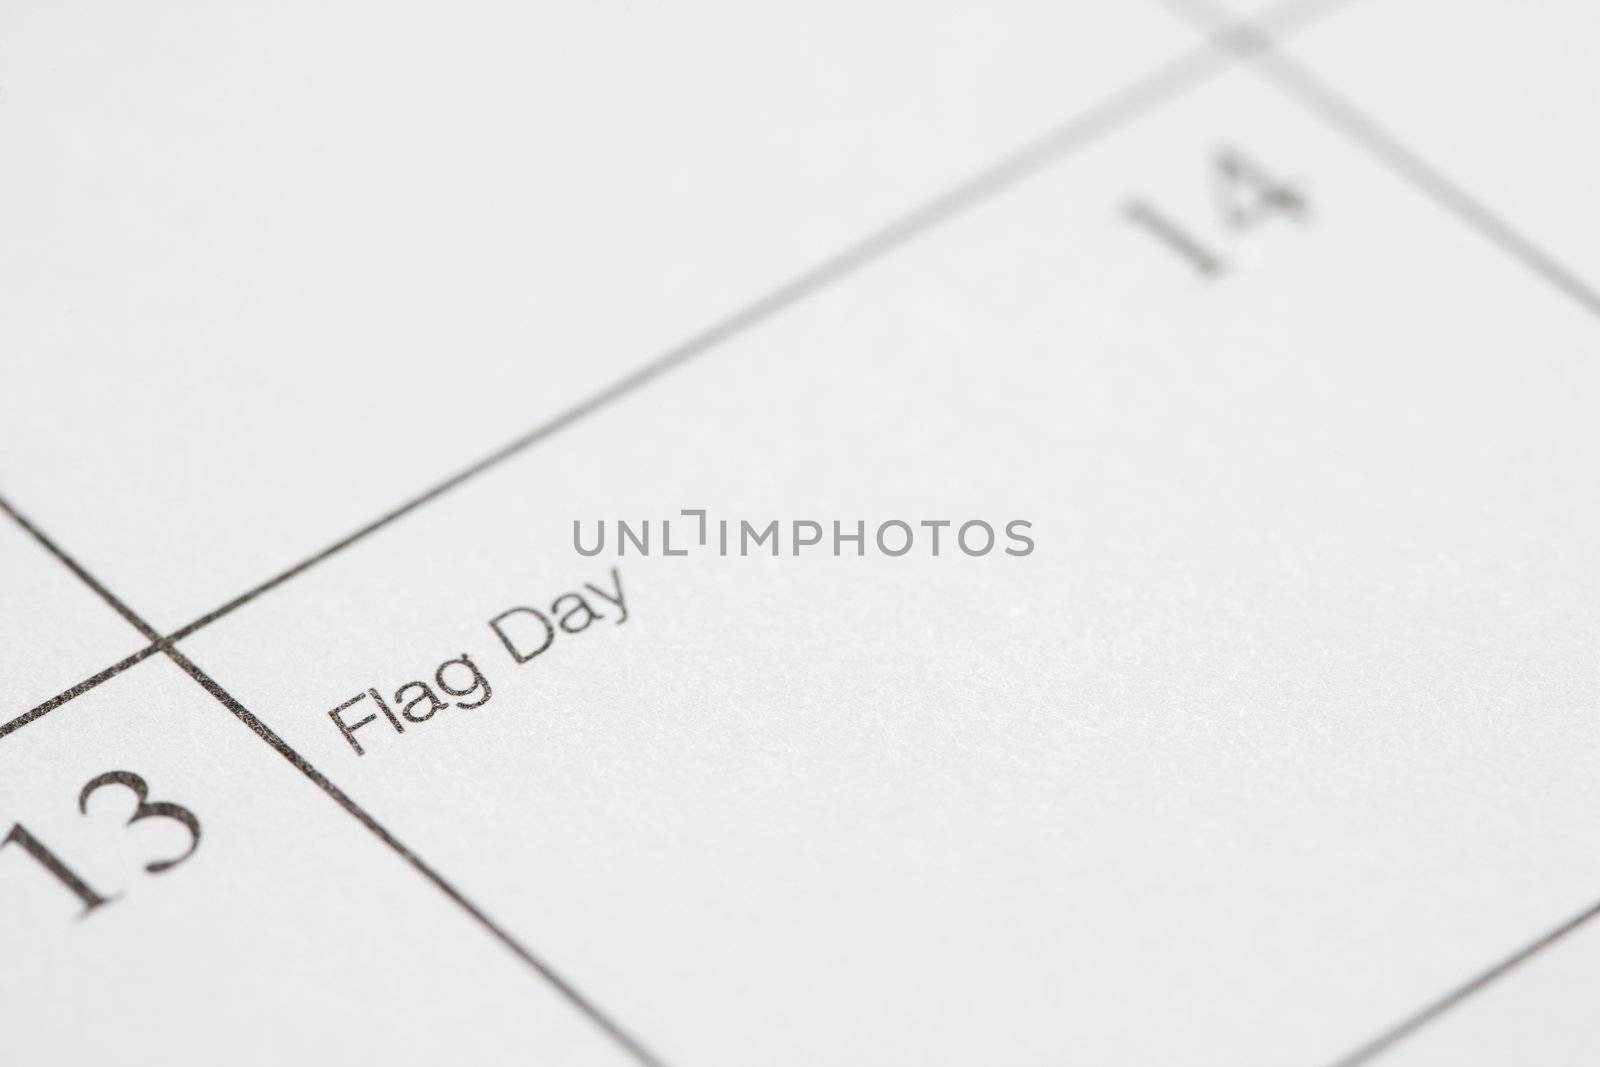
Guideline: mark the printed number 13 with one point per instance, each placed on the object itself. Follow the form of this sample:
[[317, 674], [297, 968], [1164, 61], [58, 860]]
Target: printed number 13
[[144, 808]]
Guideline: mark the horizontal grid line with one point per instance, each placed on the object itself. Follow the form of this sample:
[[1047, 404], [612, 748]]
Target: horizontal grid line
[[1166, 81]]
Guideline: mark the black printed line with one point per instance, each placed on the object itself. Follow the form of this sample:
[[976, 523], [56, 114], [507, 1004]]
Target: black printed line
[[104, 594], [84, 576], [78, 690], [625, 1040], [1322, 100], [317, 778], [1116, 111], [1021, 164], [1343, 115], [1416, 1021], [1122, 107]]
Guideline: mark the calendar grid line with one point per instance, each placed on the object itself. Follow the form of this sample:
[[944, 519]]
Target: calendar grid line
[[1238, 40], [1321, 99], [128, 614], [1165, 82], [1403, 1029], [577, 999], [81, 688], [1155, 87]]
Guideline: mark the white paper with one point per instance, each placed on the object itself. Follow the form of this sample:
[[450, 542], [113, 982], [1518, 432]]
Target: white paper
[[326, 326]]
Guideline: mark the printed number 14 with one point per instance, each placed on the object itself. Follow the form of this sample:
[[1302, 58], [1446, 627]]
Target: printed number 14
[[1245, 195]]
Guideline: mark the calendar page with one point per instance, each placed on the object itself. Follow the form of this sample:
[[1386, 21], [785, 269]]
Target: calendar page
[[693, 533]]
